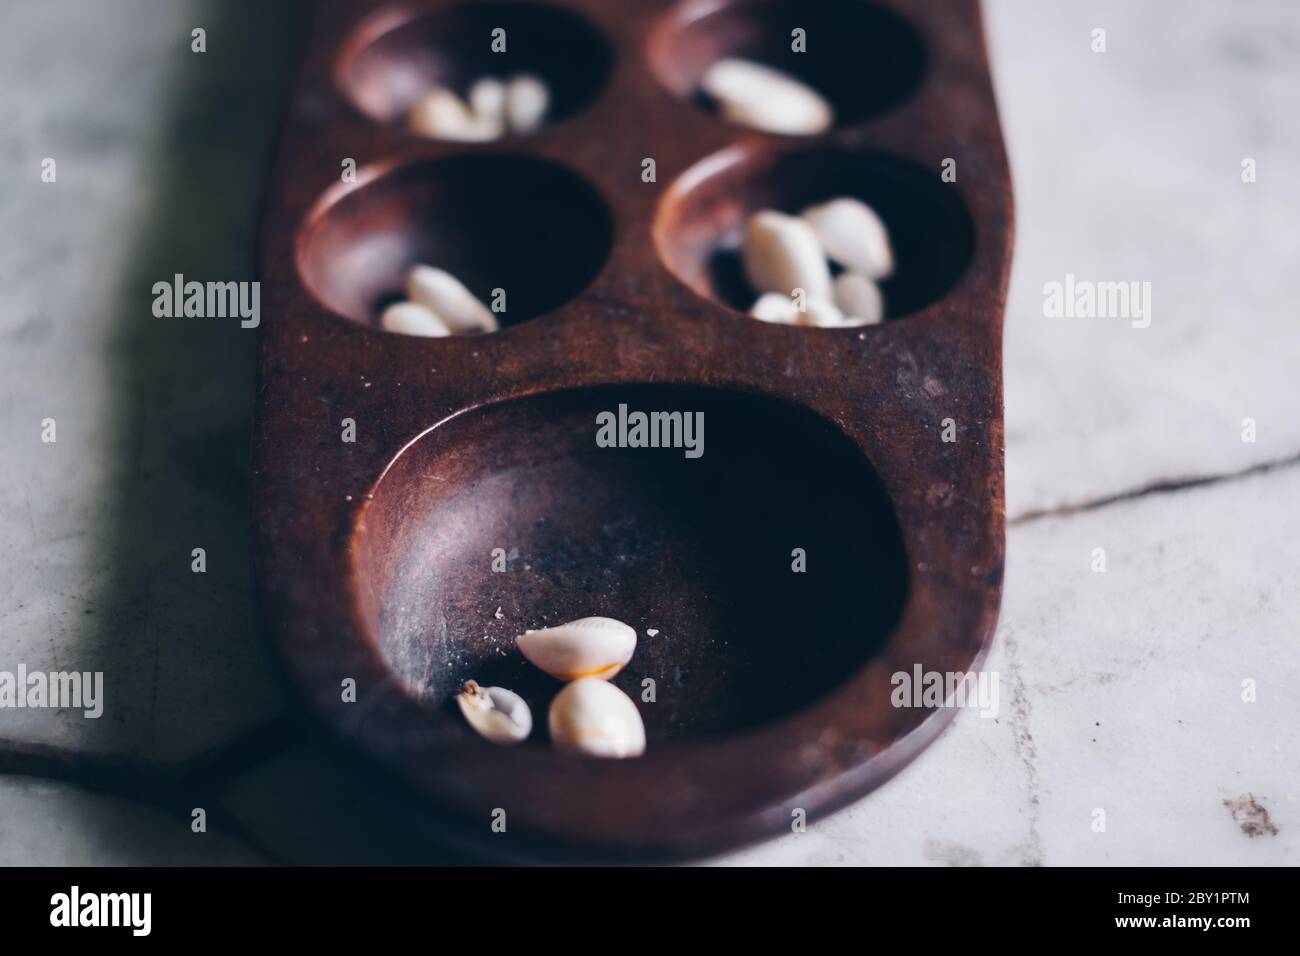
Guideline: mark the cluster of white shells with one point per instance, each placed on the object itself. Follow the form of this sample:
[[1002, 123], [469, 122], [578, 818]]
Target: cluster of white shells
[[590, 715], [493, 108], [787, 259], [437, 305]]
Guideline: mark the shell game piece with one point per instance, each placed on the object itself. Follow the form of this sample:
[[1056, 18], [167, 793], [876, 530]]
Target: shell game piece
[[411, 318], [766, 99], [527, 101], [859, 299], [853, 235], [441, 114], [499, 715], [593, 717], [781, 253], [774, 307], [447, 297], [588, 647]]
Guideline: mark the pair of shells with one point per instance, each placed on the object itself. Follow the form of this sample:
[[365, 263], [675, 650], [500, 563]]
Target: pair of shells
[[590, 715], [437, 305]]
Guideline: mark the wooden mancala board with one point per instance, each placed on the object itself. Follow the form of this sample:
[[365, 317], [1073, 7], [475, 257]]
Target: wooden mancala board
[[379, 559]]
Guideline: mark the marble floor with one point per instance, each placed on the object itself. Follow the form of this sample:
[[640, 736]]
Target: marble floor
[[1156, 695]]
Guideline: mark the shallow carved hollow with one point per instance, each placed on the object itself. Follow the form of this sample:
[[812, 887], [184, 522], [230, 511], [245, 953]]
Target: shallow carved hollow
[[700, 550]]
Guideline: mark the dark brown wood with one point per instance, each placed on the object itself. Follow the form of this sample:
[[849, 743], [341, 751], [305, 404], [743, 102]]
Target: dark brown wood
[[374, 557]]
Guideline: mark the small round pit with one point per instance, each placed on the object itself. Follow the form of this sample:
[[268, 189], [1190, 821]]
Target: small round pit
[[702, 217], [528, 227], [396, 55], [861, 57]]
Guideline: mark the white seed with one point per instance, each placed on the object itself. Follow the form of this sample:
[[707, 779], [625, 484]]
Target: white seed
[[441, 114], [593, 717], [500, 715], [411, 318], [588, 647], [844, 322], [774, 307], [527, 100], [487, 100], [822, 313], [766, 99], [853, 235], [437, 110], [442, 292], [781, 253], [859, 298]]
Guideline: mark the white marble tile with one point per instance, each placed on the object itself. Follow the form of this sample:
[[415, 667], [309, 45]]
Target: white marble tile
[[43, 823], [1127, 166], [151, 415], [1120, 690]]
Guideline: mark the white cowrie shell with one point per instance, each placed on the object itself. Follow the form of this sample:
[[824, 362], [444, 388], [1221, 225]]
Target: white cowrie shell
[[487, 100], [527, 100], [859, 299], [411, 318], [767, 99], [844, 322], [441, 114], [822, 313], [500, 715], [853, 235], [774, 307], [781, 253], [444, 294], [588, 647], [593, 717]]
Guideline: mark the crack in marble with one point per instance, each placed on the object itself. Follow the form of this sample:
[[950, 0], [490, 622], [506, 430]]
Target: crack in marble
[[1022, 739], [1167, 486]]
